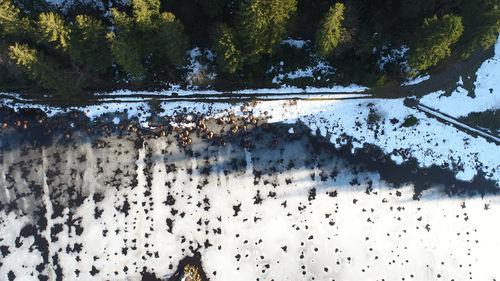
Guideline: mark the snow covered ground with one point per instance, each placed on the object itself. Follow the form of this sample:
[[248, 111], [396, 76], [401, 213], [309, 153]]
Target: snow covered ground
[[389, 55], [458, 124], [299, 44], [284, 210], [416, 80], [198, 73], [487, 92], [177, 90], [319, 69], [429, 141]]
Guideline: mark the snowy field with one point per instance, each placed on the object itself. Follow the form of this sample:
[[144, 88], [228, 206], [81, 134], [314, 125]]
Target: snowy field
[[270, 204]]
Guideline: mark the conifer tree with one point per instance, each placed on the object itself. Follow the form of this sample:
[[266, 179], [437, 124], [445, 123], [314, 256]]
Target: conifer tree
[[11, 22], [330, 31], [228, 57], [125, 46], [53, 29], [88, 46], [42, 69], [146, 37], [433, 40], [9, 16], [146, 11], [481, 19], [170, 44], [262, 25]]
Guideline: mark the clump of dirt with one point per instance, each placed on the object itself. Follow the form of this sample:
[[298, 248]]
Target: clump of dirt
[[190, 268]]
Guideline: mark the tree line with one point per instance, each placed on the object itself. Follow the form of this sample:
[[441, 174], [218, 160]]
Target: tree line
[[143, 43]]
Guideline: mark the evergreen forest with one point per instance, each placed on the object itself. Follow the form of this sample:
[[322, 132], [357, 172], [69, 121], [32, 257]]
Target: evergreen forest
[[145, 44]]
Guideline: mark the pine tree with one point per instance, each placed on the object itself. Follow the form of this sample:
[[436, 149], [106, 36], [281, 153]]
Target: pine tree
[[53, 29], [481, 20], [147, 38], [11, 21], [433, 40], [170, 43], [42, 70], [228, 57], [125, 46], [145, 11], [88, 46], [9, 16], [330, 32], [263, 24]]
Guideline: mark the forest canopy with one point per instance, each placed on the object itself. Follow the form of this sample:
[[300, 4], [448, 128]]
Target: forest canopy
[[146, 43]]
